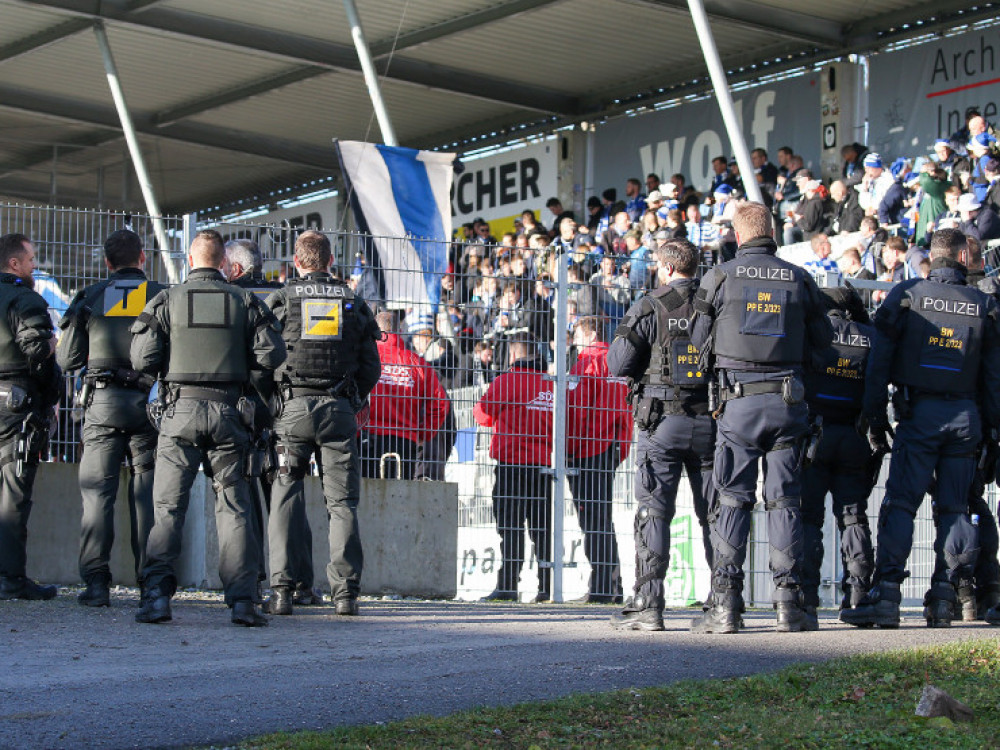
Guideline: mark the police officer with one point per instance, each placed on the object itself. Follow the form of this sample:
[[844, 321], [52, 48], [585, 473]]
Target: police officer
[[759, 318], [203, 338], [938, 341], [246, 270], [843, 464], [95, 335], [331, 368], [652, 348], [30, 384]]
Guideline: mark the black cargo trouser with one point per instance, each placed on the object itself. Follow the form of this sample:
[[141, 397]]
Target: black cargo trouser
[[193, 431], [840, 467], [116, 428], [323, 426], [15, 499]]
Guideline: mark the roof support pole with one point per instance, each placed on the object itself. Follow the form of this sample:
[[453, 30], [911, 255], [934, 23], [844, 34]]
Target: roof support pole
[[725, 99], [145, 183], [371, 76]]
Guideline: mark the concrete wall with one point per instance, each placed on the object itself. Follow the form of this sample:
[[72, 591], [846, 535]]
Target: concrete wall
[[408, 530]]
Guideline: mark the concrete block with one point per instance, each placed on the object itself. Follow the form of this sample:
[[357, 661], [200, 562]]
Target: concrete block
[[408, 531]]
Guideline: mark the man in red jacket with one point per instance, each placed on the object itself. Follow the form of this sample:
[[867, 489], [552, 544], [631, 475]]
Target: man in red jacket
[[599, 436], [408, 405], [518, 407]]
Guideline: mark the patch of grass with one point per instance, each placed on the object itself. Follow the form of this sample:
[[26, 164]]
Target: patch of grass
[[857, 702]]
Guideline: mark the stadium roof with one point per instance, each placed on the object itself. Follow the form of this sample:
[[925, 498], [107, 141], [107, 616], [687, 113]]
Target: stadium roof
[[234, 98]]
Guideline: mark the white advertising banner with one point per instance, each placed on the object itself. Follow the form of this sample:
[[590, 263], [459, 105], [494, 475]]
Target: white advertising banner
[[498, 188]]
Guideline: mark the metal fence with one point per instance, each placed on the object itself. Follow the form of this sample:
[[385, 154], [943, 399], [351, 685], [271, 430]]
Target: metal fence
[[424, 420]]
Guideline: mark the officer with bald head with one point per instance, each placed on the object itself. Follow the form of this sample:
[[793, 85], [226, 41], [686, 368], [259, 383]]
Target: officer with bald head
[[202, 339]]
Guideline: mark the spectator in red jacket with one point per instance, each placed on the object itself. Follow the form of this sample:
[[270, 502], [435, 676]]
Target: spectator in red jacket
[[408, 405], [599, 430], [518, 407]]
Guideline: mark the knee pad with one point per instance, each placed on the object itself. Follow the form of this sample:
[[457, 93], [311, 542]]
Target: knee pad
[[961, 546], [853, 516], [643, 552]]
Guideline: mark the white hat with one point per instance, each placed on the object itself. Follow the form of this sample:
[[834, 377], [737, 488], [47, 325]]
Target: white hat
[[968, 202], [654, 196]]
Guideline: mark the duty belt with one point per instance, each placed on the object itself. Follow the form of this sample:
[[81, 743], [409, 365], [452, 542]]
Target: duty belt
[[121, 377], [739, 390], [299, 392], [208, 394]]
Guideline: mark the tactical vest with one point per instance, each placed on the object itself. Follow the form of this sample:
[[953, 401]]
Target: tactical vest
[[12, 359], [762, 319], [673, 361], [940, 348], [261, 287], [835, 385], [322, 332], [208, 333], [113, 306]]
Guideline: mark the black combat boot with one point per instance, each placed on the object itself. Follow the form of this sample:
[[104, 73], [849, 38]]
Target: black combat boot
[[992, 615], [639, 614], [852, 597], [97, 593], [305, 596], [280, 602], [347, 607], [985, 601], [880, 606], [155, 607], [245, 613], [795, 618], [22, 587], [723, 616], [941, 605]]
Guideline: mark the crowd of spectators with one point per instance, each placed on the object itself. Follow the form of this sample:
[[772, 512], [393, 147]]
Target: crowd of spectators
[[499, 287]]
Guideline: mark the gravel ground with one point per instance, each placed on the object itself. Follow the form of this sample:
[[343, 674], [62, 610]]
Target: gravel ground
[[82, 678]]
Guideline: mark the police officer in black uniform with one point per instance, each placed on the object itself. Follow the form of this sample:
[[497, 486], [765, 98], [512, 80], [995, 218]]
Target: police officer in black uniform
[[246, 270], [669, 394], [938, 341], [843, 464], [30, 385], [759, 318], [204, 338], [95, 335], [331, 368]]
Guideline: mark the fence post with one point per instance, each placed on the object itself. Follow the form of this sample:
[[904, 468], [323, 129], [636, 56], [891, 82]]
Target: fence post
[[188, 231], [559, 431]]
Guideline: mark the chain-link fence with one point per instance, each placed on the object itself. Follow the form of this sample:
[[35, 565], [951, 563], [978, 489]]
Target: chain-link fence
[[551, 480]]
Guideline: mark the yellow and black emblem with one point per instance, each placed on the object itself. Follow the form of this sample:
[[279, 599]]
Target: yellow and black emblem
[[124, 300], [321, 318]]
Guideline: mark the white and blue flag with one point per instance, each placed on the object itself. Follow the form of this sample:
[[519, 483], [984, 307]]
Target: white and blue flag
[[401, 197]]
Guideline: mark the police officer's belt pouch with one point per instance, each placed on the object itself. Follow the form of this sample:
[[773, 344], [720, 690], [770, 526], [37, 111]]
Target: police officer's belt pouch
[[648, 413], [13, 398], [793, 391], [246, 409], [255, 462]]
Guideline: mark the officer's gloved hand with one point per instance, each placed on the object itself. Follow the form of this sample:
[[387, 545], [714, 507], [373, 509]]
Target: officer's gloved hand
[[878, 432]]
